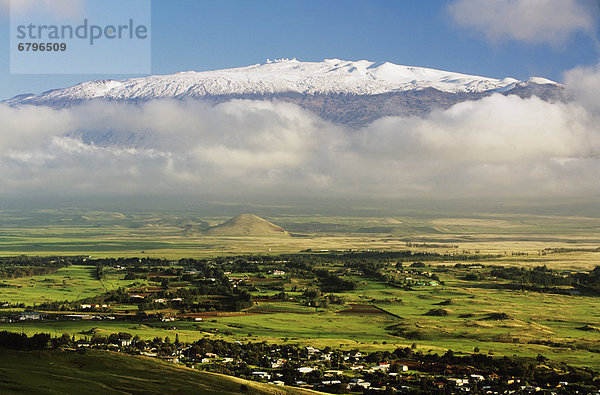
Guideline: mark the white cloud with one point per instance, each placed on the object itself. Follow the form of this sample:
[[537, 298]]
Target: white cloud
[[533, 21], [497, 146], [584, 84]]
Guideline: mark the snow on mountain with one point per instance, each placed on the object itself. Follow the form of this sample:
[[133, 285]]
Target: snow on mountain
[[542, 81], [343, 92], [332, 76]]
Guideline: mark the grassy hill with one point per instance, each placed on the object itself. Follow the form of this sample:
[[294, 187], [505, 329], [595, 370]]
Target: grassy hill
[[94, 371], [247, 225]]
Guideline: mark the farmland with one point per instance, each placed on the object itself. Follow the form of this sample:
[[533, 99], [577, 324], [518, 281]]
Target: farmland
[[375, 315], [499, 287], [181, 235]]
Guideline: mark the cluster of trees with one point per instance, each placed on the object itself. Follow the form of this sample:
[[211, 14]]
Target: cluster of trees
[[393, 256], [316, 298], [123, 262], [330, 282], [540, 279], [20, 341], [590, 280], [194, 300], [25, 266], [540, 275]]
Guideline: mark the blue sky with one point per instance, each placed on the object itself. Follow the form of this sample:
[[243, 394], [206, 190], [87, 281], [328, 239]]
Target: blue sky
[[212, 34]]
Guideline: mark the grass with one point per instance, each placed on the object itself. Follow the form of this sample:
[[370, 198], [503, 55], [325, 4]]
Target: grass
[[66, 284], [105, 372], [109, 234], [536, 324]]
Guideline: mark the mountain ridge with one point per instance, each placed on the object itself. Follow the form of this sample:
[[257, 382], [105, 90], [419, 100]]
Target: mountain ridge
[[352, 93], [332, 76]]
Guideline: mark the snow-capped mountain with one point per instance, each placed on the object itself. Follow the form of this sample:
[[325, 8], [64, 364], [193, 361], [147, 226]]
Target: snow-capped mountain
[[342, 91]]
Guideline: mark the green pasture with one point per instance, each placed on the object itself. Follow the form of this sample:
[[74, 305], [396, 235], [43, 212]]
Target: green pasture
[[66, 284], [179, 235]]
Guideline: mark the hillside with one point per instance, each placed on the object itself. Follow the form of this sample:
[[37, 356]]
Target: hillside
[[113, 373], [246, 225]]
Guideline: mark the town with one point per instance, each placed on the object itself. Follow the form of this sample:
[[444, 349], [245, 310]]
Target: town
[[402, 370]]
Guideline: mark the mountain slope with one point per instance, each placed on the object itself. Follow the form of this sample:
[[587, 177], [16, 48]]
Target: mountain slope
[[332, 76], [246, 225], [104, 372], [349, 92]]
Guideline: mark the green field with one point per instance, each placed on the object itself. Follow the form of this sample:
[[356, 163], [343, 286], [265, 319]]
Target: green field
[[536, 323], [110, 234], [67, 284]]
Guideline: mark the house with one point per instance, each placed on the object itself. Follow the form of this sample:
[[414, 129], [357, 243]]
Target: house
[[30, 316], [363, 384], [170, 358], [305, 369], [262, 375], [279, 363], [458, 382]]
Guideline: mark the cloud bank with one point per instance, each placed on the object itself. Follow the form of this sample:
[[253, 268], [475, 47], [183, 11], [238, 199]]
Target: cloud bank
[[500, 146], [534, 21]]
